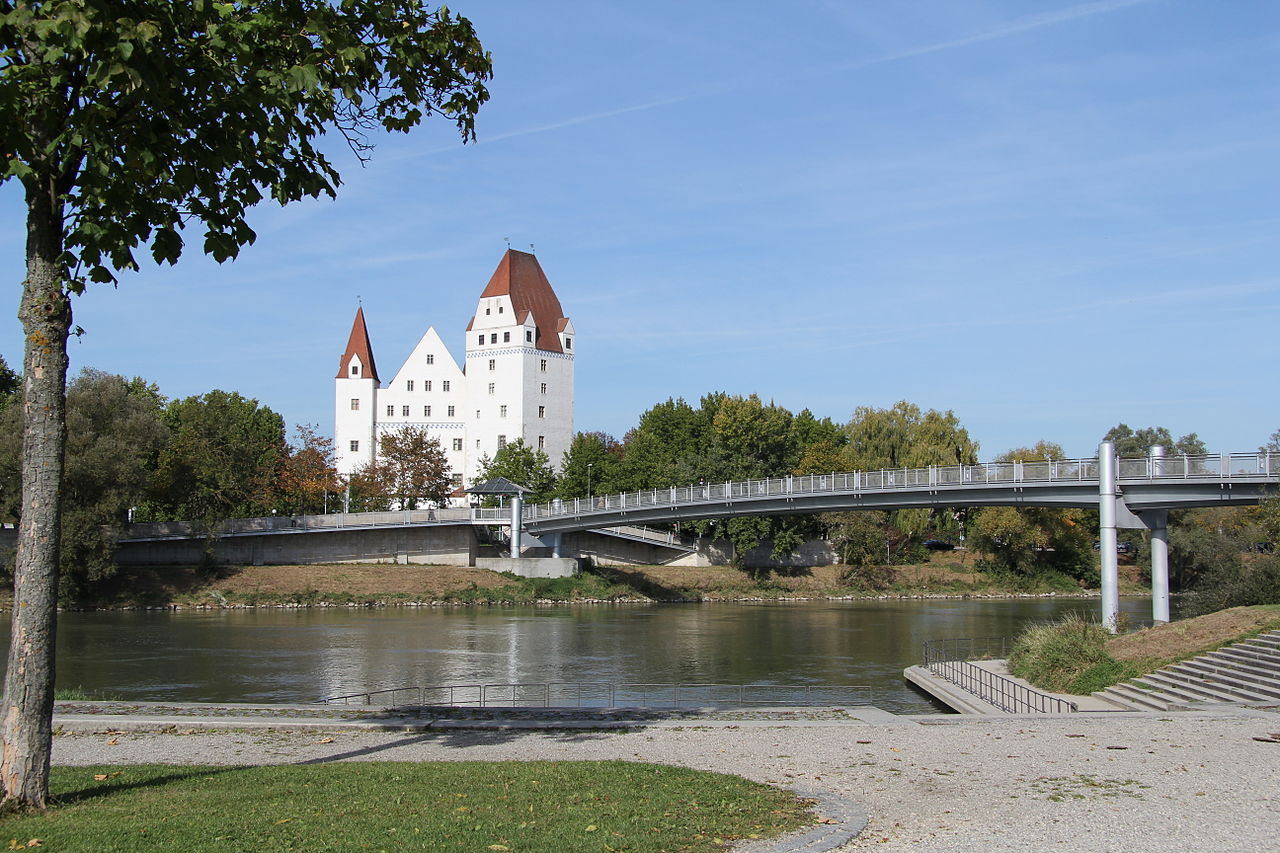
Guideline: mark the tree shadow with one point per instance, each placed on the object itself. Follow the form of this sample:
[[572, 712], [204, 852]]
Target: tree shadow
[[109, 787]]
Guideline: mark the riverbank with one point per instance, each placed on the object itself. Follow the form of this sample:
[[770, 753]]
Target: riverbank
[[946, 575]]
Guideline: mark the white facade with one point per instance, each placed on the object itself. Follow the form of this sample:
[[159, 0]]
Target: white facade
[[517, 382]]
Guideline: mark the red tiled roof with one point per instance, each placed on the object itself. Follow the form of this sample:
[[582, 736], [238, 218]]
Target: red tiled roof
[[358, 345], [520, 277]]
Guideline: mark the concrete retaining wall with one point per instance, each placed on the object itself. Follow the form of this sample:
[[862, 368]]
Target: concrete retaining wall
[[531, 567], [447, 545]]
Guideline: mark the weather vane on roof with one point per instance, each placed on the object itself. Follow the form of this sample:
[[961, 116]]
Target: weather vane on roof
[[531, 249], [508, 239]]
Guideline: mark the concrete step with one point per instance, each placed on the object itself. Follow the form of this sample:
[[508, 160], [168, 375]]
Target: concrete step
[[1200, 688], [1254, 659], [1263, 644], [1131, 696], [1229, 674], [1181, 691]]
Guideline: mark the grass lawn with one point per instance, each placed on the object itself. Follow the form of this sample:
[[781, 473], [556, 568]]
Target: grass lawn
[[522, 807]]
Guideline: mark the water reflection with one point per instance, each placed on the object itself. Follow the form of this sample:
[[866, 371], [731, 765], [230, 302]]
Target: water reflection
[[299, 655]]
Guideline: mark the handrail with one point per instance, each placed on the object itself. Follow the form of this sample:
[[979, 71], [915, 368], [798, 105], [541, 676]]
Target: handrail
[[1226, 467], [1223, 466], [587, 694], [950, 659]]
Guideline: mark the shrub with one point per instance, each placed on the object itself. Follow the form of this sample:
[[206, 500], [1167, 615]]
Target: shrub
[[1067, 656]]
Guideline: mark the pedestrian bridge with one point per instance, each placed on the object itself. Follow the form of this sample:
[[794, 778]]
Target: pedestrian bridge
[[1147, 483]]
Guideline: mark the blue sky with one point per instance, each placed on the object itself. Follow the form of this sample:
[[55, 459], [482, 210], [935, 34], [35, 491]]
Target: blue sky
[[1049, 217]]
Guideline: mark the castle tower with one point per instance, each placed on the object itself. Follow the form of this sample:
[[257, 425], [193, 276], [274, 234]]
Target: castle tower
[[519, 364], [356, 400], [517, 383]]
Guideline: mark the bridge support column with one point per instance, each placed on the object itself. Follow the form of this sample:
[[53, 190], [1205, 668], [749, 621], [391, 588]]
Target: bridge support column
[[1110, 566], [556, 539], [517, 525], [1158, 521]]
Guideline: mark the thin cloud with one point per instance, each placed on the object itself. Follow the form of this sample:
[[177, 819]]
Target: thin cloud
[[1024, 25]]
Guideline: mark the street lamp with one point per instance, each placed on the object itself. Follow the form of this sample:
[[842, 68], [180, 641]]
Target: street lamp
[[589, 464]]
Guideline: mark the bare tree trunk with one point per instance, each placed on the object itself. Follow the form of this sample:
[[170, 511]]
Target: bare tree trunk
[[27, 713]]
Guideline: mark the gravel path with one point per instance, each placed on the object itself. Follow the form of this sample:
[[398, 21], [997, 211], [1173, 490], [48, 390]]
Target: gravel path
[[1180, 782]]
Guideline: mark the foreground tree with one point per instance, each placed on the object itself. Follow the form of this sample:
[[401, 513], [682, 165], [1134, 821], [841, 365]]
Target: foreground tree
[[307, 474], [522, 465], [124, 123]]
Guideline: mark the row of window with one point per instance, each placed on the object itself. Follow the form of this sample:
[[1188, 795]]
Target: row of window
[[450, 410], [457, 443]]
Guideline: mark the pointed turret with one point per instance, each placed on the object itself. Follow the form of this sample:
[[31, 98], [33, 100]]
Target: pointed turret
[[357, 362], [519, 276]]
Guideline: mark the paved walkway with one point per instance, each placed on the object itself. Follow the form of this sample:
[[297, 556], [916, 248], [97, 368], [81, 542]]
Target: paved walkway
[[1126, 781]]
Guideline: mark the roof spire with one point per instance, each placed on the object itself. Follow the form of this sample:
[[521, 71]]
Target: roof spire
[[358, 347]]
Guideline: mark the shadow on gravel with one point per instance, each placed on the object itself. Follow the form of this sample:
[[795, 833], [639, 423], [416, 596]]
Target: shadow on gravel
[[462, 738]]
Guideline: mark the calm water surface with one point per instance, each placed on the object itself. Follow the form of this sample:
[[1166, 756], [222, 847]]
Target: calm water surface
[[275, 655]]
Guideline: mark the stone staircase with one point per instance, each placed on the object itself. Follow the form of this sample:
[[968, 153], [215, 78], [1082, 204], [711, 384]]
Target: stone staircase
[[1246, 673]]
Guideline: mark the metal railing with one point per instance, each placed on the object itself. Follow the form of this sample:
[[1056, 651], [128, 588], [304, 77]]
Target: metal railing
[[605, 695], [950, 659], [1225, 466]]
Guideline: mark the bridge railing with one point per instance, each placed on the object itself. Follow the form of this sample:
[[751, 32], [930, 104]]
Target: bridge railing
[[951, 659], [602, 695], [1221, 466]]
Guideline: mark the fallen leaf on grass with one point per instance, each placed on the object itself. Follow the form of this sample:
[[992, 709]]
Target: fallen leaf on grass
[[283, 820], [499, 847], [102, 777]]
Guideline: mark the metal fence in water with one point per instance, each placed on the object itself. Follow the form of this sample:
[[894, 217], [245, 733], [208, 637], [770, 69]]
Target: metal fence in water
[[605, 695]]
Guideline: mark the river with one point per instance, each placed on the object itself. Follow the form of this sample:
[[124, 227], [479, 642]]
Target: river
[[300, 655]]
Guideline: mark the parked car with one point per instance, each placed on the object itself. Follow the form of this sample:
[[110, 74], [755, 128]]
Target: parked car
[[938, 545]]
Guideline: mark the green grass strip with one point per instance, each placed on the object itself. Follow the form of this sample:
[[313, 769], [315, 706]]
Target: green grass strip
[[522, 807]]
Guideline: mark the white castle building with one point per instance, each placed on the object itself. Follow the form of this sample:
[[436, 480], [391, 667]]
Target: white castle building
[[516, 382]]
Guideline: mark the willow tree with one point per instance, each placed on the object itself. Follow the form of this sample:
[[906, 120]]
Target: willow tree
[[127, 122]]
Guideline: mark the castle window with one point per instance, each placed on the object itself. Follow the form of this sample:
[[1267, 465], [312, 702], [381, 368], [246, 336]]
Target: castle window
[[506, 337], [502, 441], [355, 404], [493, 339], [457, 444], [528, 337], [477, 444], [481, 341], [491, 388], [408, 385], [486, 311], [404, 411], [426, 385], [542, 442], [544, 387], [355, 370], [499, 309], [431, 359], [568, 343], [355, 447], [502, 411], [444, 386], [451, 411], [542, 411], [543, 366], [391, 411], [426, 411], [493, 364]]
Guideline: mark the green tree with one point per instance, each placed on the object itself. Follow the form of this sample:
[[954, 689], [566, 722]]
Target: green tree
[[10, 383], [127, 121], [522, 465], [591, 466], [115, 431], [1026, 540], [1132, 443], [223, 460]]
